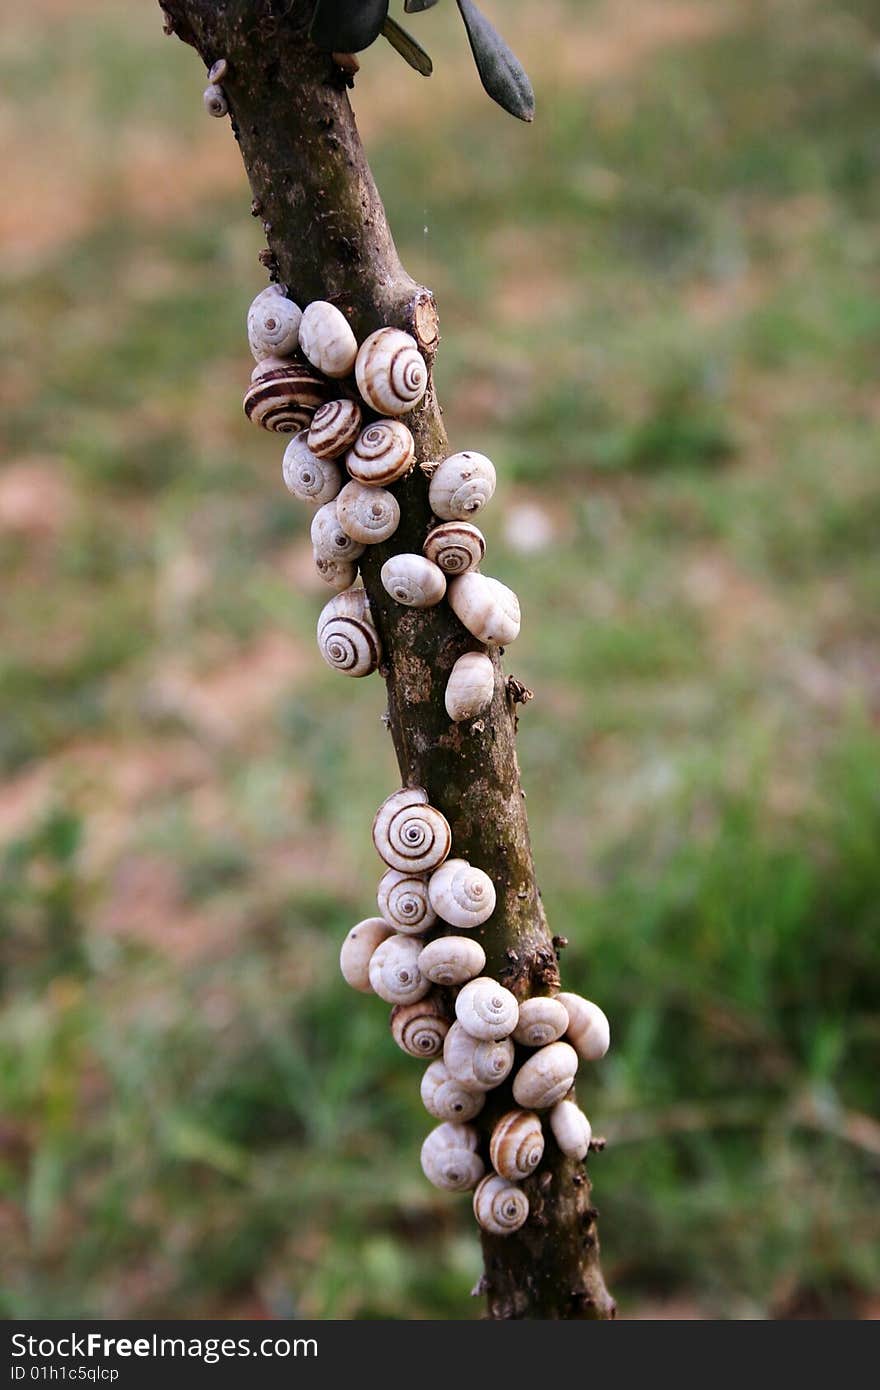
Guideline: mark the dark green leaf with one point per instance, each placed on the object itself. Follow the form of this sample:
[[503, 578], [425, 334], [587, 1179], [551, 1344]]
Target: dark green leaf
[[416, 6], [501, 72], [407, 47], [347, 26]]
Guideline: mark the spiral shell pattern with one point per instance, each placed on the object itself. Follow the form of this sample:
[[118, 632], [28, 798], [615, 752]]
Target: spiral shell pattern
[[390, 371], [330, 541], [273, 324], [517, 1145], [449, 1157], [446, 1099], [283, 396], [486, 1010], [462, 895], [419, 1028], [311, 479], [403, 901], [541, 1021], [367, 514], [499, 1206], [451, 960], [394, 971], [334, 428], [347, 639], [409, 834], [461, 485], [456, 546], [477, 1065], [413, 581], [215, 101], [382, 453]]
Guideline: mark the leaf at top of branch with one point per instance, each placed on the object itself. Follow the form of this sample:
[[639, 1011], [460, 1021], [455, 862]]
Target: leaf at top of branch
[[347, 26], [407, 47], [501, 72], [416, 6]]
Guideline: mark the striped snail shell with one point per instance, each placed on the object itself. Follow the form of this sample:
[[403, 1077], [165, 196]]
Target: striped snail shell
[[367, 514], [445, 1098], [329, 539], [462, 895], [571, 1129], [403, 901], [486, 1010], [452, 960], [500, 1206], [517, 1144], [588, 1030], [334, 428], [215, 101], [390, 372], [394, 970], [449, 1157], [273, 324], [461, 485], [545, 1077], [478, 1065], [456, 546], [339, 574], [347, 639], [413, 581], [470, 686], [419, 1028], [541, 1021], [326, 338], [382, 453], [486, 607], [358, 947], [409, 834], [311, 479], [284, 396]]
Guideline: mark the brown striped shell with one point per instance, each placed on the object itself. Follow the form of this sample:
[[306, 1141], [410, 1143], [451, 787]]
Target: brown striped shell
[[390, 371], [347, 639], [334, 428], [382, 453], [284, 396], [517, 1144], [456, 546]]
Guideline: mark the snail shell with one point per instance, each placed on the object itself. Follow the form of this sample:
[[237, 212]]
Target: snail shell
[[403, 901], [456, 546], [470, 686], [476, 1064], [347, 639], [394, 970], [517, 1144], [461, 485], [326, 338], [382, 453], [571, 1129], [311, 479], [218, 70], [414, 581], [451, 960], [284, 396], [367, 514], [339, 574], [462, 895], [390, 372], [409, 834], [589, 1031], [486, 1010], [273, 324], [500, 1206], [486, 607], [419, 1028], [445, 1098], [329, 539], [449, 1157], [541, 1021], [545, 1077], [334, 428], [215, 101], [357, 948]]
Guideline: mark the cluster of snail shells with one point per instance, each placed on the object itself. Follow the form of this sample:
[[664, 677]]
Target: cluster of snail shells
[[420, 955]]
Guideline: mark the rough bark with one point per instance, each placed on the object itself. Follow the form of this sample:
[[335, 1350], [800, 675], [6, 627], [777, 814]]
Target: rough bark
[[328, 238]]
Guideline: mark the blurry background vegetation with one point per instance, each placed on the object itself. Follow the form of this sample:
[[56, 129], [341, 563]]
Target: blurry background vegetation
[[661, 318]]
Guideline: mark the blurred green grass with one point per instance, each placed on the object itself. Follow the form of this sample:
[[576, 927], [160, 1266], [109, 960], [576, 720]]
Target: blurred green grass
[[660, 317]]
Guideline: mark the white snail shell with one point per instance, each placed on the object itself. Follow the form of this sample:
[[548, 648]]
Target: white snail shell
[[367, 514], [358, 947], [589, 1031], [334, 428], [311, 479], [541, 1020], [470, 686], [517, 1145], [452, 960], [461, 485], [347, 639], [445, 1098], [326, 338], [339, 574], [500, 1206], [218, 70], [409, 834], [394, 970], [545, 1077], [390, 372], [381, 454], [329, 539], [273, 324], [284, 396], [419, 1028], [456, 546], [461, 895], [403, 901], [449, 1157], [486, 1010], [215, 101], [413, 581], [486, 607], [571, 1129], [478, 1065]]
